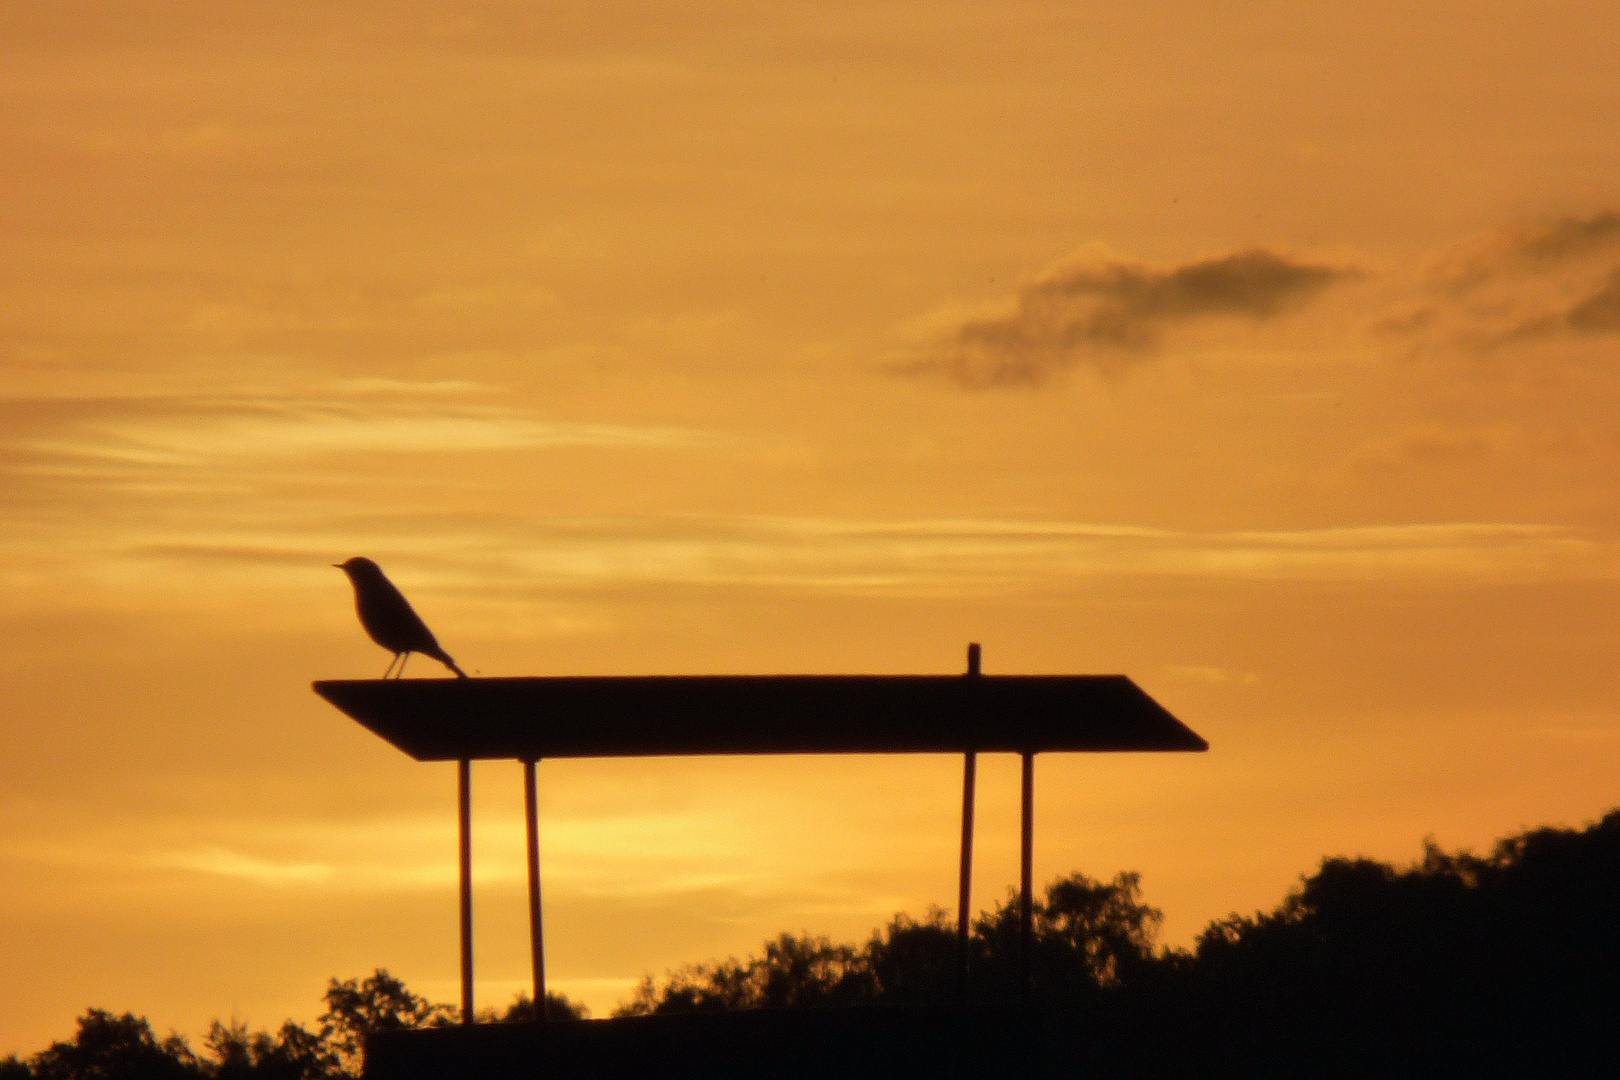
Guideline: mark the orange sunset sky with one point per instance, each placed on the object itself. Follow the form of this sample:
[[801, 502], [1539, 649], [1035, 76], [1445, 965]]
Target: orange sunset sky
[[1263, 352]]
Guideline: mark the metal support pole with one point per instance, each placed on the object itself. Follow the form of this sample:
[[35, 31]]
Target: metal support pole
[[464, 791], [1026, 905], [537, 938], [965, 886]]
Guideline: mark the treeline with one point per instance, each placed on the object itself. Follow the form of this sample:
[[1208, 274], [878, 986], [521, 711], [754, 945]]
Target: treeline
[[1491, 965], [110, 1046], [1506, 964], [1088, 935]]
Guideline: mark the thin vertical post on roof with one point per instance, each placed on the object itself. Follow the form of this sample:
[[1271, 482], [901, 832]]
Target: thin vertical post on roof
[[965, 884], [537, 938], [464, 799], [1026, 905]]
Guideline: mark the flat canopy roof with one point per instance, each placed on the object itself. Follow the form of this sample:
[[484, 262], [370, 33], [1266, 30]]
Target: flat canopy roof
[[644, 716]]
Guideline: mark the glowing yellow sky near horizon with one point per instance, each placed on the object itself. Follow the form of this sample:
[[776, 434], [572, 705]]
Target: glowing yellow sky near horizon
[[1263, 352]]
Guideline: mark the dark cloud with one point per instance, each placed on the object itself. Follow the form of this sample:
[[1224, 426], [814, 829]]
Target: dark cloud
[[1515, 287], [1599, 313], [1107, 312], [1570, 237], [1536, 250]]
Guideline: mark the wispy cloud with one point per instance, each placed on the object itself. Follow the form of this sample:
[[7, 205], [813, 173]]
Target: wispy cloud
[[1106, 312], [557, 557], [68, 433], [172, 446], [223, 862], [1211, 676], [666, 851]]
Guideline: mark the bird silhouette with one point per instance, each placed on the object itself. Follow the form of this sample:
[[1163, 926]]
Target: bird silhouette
[[389, 618]]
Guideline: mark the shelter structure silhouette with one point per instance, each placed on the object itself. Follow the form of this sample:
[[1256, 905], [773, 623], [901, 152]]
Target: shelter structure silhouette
[[530, 719]]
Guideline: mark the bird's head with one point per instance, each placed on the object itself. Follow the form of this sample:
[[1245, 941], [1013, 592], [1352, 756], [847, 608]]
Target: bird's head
[[359, 567]]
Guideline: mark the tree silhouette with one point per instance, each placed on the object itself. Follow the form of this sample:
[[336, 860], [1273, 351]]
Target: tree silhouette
[[116, 1047], [795, 971], [109, 1046], [558, 1007], [1502, 964], [358, 1008], [913, 961], [293, 1053], [1088, 934]]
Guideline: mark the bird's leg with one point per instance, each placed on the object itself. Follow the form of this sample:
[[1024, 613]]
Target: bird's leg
[[391, 664], [403, 657]]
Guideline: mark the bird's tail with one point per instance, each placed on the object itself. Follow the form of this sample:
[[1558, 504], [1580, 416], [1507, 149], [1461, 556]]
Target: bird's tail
[[444, 658]]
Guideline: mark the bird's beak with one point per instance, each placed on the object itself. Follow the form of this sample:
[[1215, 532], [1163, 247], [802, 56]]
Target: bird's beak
[[337, 566]]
